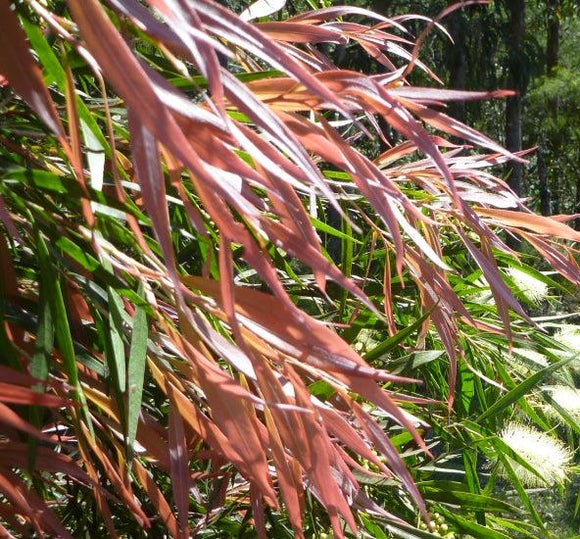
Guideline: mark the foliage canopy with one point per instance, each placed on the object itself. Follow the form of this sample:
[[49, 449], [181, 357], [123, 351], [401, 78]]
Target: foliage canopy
[[216, 306]]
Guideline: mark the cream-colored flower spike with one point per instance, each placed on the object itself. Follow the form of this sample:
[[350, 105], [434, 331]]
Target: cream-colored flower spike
[[546, 454], [534, 289], [569, 335], [567, 398]]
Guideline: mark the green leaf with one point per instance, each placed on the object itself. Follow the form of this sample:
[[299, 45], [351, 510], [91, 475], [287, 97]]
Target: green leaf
[[116, 347], [39, 364], [53, 70], [472, 528], [50, 278], [455, 493], [520, 390], [77, 253], [374, 528], [390, 343], [136, 375], [521, 491], [327, 229]]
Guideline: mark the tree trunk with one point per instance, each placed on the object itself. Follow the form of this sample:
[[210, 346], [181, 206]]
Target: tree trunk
[[553, 35], [517, 80], [552, 53], [457, 61], [543, 179]]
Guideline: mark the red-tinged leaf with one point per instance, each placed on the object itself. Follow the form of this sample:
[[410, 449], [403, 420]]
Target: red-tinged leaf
[[238, 423], [364, 175], [501, 291], [286, 435], [186, 23], [400, 118], [435, 283], [14, 496], [386, 447], [370, 390], [339, 427], [305, 337], [31, 506], [245, 99], [308, 254], [258, 512], [565, 218], [280, 189], [565, 265], [438, 94], [319, 468], [372, 34], [12, 420], [301, 33], [150, 119], [156, 497], [8, 222], [75, 143], [9, 288], [46, 459], [291, 490], [148, 166], [151, 25], [253, 253], [325, 14], [8, 375], [483, 229], [200, 424], [179, 465], [539, 224], [151, 434], [453, 127], [102, 505], [107, 44], [9, 515], [224, 23], [17, 65], [23, 395], [292, 213], [112, 473]]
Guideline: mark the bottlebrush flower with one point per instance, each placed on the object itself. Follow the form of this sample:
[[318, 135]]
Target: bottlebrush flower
[[533, 289], [549, 456], [567, 398], [531, 358], [569, 336]]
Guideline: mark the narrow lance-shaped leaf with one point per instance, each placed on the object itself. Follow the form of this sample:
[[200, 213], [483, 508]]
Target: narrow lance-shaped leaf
[[18, 66], [520, 390], [136, 375], [179, 465], [61, 323], [115, 345]]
